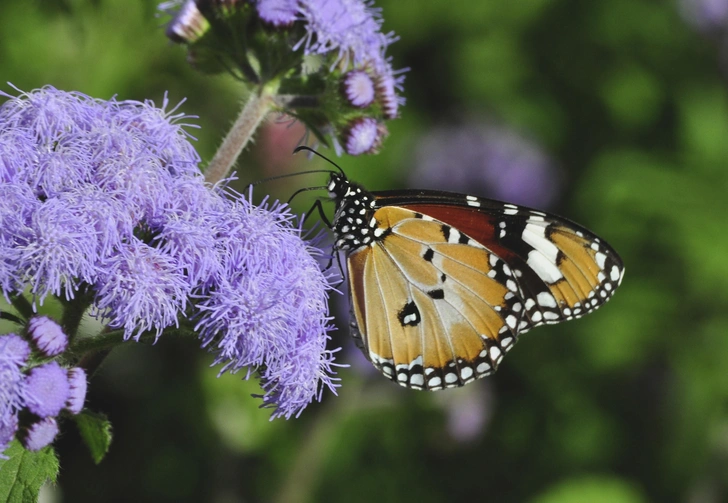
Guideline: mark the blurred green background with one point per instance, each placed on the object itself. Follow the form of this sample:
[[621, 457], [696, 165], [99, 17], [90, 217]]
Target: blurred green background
[[622, 106]]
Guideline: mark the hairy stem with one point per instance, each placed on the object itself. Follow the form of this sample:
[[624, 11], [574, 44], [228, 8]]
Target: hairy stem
[[259, 104]]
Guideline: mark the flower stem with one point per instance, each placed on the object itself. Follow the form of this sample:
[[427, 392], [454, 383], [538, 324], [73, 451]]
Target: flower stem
[[22, 305], [259, 104]]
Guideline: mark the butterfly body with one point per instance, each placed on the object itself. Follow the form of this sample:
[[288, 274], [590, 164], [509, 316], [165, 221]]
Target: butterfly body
[[442, 284]]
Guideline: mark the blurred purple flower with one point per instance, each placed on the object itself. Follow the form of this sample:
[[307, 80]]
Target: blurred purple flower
[[468, 410], [705, 15], [485, 160], [47, 335]]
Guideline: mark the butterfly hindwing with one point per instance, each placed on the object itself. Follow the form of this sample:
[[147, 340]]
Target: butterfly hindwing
[[433, 310]]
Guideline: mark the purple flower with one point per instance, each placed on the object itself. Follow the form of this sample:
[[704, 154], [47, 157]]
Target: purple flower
[[61, 251], [358, 88], [106, 198], [278, 12], [268, 309], [351, 27], [14, 352], [47, 389], [486, 160], [141, 288], [40, 434], [47, 335], [77, 390], [362, 136]]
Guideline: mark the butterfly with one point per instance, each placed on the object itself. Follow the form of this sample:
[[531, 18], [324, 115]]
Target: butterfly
[[443, 284]]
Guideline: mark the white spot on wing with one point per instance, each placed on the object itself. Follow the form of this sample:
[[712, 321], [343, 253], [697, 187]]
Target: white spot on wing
[[543, 267]]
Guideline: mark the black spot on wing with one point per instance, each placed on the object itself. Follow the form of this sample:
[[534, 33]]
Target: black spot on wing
[[429, 254], [446, 232], [409, 315], [437, 294]]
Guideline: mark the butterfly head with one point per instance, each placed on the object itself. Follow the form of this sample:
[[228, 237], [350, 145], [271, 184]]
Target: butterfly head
[[354, 224]]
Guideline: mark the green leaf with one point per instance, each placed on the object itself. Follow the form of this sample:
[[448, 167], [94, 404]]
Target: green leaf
[[23, 474], [95, 430]]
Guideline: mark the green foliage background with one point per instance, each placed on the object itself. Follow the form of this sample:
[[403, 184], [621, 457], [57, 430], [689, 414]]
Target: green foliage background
[[628, 405]]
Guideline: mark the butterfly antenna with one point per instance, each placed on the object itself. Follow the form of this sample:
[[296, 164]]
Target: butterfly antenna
[[305, 189], [288, 175], [309, 149]]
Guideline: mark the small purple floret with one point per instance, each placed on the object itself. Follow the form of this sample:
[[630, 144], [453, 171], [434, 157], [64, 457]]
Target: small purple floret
[[359, 88], [278, 12], [40, 434], [47, 389], [78, 386], [47, 335], [361, 136]]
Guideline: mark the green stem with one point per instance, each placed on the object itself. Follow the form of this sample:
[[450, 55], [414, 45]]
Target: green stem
[[22, 305], [259, 104], [95, 349], [292, 101]]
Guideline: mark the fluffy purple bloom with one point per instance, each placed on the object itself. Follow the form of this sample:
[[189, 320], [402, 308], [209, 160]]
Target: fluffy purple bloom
[[358, 88], [121, 211], [77, 390], [268, 308], [486, 160], [40, 434], [88, 176], [351, 27], [141, 288], [61, 251], [278, 12], [361, 136], [47, 335], [47, 389], [14, 352]]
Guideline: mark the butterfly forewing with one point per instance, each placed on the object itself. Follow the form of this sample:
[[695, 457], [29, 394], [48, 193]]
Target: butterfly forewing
[[563, 270]]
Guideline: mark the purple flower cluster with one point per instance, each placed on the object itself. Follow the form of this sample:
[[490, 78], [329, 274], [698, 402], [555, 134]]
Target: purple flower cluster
[[105, 198], [43, 391], [346, 34]]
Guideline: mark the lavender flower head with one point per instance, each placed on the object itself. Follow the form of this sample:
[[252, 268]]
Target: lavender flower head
[[47, 335], [102, 203], [40, 434], [270, 293]]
